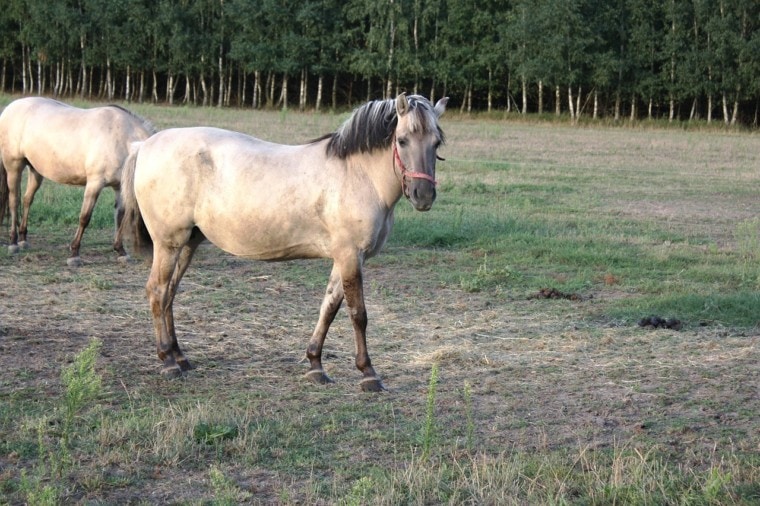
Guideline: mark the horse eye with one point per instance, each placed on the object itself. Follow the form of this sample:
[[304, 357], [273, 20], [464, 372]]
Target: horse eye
[[403, 142]]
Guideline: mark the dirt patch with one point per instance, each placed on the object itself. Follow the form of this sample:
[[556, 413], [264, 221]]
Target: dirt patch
[[553, 293]]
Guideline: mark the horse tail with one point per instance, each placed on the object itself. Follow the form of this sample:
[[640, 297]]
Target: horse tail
[[4, 192], [132, 224]]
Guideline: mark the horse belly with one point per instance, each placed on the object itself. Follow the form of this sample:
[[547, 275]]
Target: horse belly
[[250, 236]]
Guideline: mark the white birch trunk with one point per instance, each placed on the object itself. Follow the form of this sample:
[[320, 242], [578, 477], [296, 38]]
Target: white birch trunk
[[283, 100], [320, 84], [570, 103], [540, 96]]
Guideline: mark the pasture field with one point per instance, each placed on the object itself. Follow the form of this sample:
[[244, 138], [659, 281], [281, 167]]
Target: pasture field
[[504, 322]]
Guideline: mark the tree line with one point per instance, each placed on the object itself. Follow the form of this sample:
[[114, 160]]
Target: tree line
[[620, 59]]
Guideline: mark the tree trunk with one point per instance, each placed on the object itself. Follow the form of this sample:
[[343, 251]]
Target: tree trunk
[[302, 91], [570, 102], [256, 102], [524, 110], [540, 96], [154, 91], [40, 79], [490, 89], [557, 102], [726, 119], [221, 78], [633, 108], [335, 92], [283, 100], [228, 93], [596, 105], [709, 108], [320, 83], [204, 90], [509, 95], [128, 88], [186, 98]]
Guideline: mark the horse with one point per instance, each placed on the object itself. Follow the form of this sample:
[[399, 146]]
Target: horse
[[68, 145], [333, 197]]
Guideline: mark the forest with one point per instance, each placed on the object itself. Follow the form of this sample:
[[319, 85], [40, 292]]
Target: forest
[[674, 60]]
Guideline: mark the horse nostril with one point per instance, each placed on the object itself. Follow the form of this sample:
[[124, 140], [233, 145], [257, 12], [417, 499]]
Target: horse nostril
[[415, 194]]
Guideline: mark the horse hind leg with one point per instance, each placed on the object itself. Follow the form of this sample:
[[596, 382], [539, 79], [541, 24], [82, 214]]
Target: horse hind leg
[[13, 175], [183, 262], [330, 304], [91, 193], [34, 181], [169, 265]]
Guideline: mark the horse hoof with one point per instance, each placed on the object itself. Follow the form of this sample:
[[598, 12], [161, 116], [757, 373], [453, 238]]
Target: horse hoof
[[23, 244], [74, 262], [318, 376], [13, 249], [172, 372], [123, 259], [372, 385], [185, 365]]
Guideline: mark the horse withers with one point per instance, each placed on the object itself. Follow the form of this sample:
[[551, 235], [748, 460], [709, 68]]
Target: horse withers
[[331, 198], [68, 145]]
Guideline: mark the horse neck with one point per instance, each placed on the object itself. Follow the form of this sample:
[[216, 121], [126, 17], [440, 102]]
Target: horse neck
[[379, 168]]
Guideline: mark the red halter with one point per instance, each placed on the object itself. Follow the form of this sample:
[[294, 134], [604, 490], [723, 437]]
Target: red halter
[[407, 173]]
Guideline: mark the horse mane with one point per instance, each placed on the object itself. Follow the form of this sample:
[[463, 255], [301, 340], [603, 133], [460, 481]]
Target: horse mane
[[145, 123], [372, 125]]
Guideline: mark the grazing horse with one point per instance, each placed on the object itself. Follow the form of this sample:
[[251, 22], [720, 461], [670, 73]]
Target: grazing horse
[[82, 147], [331, 198]]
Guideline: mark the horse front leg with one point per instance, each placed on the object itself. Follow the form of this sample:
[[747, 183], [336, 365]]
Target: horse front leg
[[91, 193], [329, 308], [34, 181], [353, 290]]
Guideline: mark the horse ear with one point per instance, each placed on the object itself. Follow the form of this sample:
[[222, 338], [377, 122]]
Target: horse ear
[[402, 104], [440, 106]]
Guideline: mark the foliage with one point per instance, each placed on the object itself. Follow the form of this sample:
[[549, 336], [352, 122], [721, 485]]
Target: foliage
[[675, 59]]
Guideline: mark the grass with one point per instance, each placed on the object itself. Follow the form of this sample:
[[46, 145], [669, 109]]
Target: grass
[[496, 397]]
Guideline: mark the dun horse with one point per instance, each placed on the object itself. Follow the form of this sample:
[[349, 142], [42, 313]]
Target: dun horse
[[82, 147], [331, 198]]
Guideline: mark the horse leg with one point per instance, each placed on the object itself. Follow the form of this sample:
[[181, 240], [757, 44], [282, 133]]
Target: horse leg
[[91, 193], [118, 216], [353, 291], [13, 175], [330, 305], [33, 182], [183, 262], [159, 288]]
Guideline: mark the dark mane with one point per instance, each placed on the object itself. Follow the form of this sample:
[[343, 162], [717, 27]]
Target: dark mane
[[372, 125], [145, 123]]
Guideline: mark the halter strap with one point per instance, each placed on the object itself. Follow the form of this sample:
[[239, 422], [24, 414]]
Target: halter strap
[[407, 173]]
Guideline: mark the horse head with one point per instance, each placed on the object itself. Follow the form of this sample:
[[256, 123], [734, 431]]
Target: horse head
[[415, 147]]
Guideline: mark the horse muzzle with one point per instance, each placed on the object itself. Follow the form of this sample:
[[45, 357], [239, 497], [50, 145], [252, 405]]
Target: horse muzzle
[[421, 193]]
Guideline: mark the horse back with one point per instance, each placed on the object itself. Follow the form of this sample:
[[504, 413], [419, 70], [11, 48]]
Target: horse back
[[67, 144]]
